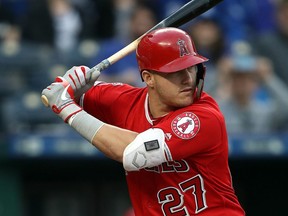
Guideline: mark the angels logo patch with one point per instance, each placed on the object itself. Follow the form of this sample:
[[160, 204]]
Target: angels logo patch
[[186, 125]]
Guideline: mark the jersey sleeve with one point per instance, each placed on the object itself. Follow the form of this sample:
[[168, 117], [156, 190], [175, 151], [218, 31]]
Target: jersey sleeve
[[102, 100], [194, 133]]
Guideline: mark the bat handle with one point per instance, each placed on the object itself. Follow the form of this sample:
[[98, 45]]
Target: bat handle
[[101, 66]]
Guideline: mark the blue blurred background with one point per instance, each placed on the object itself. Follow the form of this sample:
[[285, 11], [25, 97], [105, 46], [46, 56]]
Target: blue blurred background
[[46, 169]]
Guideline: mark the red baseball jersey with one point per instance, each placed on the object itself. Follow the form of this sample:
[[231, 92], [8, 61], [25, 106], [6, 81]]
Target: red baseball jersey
[[196, 178]]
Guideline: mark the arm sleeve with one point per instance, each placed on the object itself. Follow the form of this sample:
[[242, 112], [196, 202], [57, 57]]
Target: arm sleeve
[[102, 101]]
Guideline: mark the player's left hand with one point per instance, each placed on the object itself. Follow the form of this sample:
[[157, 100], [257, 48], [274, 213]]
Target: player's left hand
[[60, 96]]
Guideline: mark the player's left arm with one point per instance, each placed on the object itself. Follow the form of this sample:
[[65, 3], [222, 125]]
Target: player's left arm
[[135, 150], [116, 143], [112, 140]]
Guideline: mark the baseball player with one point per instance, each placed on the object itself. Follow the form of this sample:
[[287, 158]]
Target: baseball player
[[170, 136]]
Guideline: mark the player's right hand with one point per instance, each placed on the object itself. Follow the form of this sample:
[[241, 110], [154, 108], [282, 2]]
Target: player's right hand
[[60, 98], [81, 79]]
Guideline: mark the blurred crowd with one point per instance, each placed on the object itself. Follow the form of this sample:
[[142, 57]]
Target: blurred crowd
[[246, 43]]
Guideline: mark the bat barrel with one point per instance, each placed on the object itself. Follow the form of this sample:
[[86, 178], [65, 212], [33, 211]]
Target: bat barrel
[[186, 13]]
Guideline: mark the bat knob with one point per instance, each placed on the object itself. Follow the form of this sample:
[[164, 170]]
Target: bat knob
[[45, 100]]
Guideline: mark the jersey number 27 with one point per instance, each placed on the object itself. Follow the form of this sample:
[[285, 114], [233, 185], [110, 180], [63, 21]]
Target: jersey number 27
[[172, 198]]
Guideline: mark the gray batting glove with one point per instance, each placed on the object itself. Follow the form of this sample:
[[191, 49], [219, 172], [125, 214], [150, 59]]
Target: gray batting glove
[[81, 79], [60, 96]]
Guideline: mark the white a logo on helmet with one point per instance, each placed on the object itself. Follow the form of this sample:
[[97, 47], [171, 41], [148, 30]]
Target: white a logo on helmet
[[185, 125], [182, 48]]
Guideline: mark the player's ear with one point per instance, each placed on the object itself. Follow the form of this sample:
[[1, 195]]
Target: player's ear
[[148, 78]]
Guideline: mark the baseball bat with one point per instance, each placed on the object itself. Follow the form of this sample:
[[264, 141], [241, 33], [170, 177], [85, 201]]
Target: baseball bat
[[183, 15]]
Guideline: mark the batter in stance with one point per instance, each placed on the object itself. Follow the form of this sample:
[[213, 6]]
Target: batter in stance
[[170, 136]]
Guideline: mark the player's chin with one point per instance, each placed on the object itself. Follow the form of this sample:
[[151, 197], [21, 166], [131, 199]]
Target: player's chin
[[184, 101], [186, 95]]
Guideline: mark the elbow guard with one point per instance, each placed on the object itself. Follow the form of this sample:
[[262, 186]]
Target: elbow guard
[[146, 150]]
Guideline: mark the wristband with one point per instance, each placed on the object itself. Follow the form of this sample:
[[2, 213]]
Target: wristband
[[85, 124]]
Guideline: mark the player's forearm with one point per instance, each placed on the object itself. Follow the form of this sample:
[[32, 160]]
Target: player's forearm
[[112, 141], [108, 139]]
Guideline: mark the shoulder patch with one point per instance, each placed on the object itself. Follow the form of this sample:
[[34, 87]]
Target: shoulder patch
[[186, 125]]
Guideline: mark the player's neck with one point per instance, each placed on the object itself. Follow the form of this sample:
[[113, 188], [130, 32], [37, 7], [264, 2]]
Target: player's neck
[[157, 109]]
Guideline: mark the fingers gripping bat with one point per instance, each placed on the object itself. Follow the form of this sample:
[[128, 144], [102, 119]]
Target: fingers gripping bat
[[183, 15]]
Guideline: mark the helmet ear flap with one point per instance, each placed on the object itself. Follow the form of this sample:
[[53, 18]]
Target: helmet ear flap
[[200, 79]]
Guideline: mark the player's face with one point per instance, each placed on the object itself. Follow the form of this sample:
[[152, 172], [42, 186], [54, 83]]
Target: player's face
[[176, 90]]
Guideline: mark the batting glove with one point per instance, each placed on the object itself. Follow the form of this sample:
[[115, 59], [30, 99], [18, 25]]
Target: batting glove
[[60, 96], [81, 79]]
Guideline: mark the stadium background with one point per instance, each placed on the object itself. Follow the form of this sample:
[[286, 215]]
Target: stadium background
[[48, 170]]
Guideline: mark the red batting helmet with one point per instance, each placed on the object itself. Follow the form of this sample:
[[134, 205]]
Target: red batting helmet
[[167, 50]]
